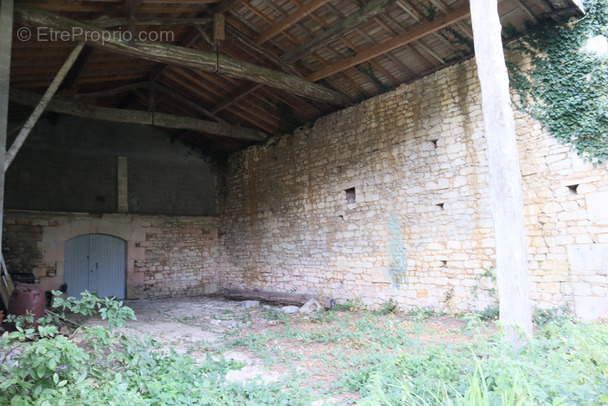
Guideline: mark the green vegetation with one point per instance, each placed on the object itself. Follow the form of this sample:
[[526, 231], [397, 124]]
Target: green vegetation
[[565, 88], [344, 357], [102, 366]]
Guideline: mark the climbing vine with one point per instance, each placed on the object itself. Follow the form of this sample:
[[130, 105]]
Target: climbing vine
[[566, 87]]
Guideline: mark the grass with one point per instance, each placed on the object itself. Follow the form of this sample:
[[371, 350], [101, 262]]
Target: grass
[[345, 357]]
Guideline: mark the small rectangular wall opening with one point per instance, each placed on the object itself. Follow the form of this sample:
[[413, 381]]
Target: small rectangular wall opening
[[351, 195], [573, 189]]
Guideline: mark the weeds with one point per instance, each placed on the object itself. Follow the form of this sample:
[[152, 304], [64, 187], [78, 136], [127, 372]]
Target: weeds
[[104, 366], [380, 359]]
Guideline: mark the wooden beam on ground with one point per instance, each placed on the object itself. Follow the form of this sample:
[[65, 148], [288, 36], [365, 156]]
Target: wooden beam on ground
[[506, 194], [295, 299], [356, 18], [397, 42], [78, 109], [290, 20], [41, 105], [6, 39], [174, 55]]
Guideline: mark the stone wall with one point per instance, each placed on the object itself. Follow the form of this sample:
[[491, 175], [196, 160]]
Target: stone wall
[[166, 256], [389, 200]]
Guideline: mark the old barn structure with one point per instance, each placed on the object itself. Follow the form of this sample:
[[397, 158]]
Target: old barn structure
[[333, 148]]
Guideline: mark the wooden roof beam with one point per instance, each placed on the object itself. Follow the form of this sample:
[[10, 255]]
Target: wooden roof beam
[[290, 20], [108, 22], [225, 5], [179, 56], [71, 79], [397, 42], [354, 19], [73, 108], [40, 105]]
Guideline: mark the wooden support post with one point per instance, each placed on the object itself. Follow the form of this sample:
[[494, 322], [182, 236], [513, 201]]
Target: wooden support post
[[219, 28], [6, 38], [39, 109], [123, 184], [505, 175]]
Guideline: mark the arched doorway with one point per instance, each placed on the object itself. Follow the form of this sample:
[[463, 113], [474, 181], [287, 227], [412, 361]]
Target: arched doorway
[[97, 263]]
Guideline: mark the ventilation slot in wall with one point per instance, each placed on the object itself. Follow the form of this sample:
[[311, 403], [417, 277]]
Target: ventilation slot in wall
[[351, 195], [440, 205], [573, 189], [434, 143]]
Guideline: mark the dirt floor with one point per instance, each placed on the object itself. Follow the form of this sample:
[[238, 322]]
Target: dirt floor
[[318, 350]]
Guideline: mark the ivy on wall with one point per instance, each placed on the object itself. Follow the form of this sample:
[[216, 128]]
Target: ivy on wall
[[565, 87]]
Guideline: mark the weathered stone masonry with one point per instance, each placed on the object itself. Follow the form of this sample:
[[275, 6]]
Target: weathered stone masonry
[[166, 256], [389, 199]]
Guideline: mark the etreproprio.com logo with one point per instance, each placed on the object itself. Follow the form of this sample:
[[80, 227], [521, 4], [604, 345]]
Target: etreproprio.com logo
[[48, 34]]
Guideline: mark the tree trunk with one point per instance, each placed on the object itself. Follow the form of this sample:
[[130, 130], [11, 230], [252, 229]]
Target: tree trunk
[[505, 176]]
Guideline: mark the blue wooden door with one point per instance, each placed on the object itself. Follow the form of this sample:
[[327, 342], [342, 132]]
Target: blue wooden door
[[97, 263]]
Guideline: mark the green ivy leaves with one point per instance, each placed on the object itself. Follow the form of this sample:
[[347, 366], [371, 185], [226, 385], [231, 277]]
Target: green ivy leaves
[[566, 88]]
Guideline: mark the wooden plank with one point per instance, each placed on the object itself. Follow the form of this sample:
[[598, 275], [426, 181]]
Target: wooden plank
[[404, 39], [70, 107], [506, 194], [290, 20], [41, 105], [175, 55]]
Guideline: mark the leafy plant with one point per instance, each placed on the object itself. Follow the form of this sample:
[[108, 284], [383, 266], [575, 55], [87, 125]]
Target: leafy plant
[[104, 366], [565, 88], [388, 307]]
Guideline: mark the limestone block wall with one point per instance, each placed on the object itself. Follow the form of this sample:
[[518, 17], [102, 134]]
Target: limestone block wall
[[166, 256], [389, 199]]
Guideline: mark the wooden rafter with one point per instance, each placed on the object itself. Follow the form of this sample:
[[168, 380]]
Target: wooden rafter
[[174, 55], [404, 39], [79, 109], [290, 20], [71, 79], [107, 22], [41, 105], [336, 30]]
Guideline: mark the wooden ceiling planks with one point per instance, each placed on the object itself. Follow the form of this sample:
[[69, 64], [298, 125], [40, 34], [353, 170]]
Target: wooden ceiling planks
[[403, 41]]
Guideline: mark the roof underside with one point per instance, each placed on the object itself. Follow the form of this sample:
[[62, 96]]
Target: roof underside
[[355, 49]]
